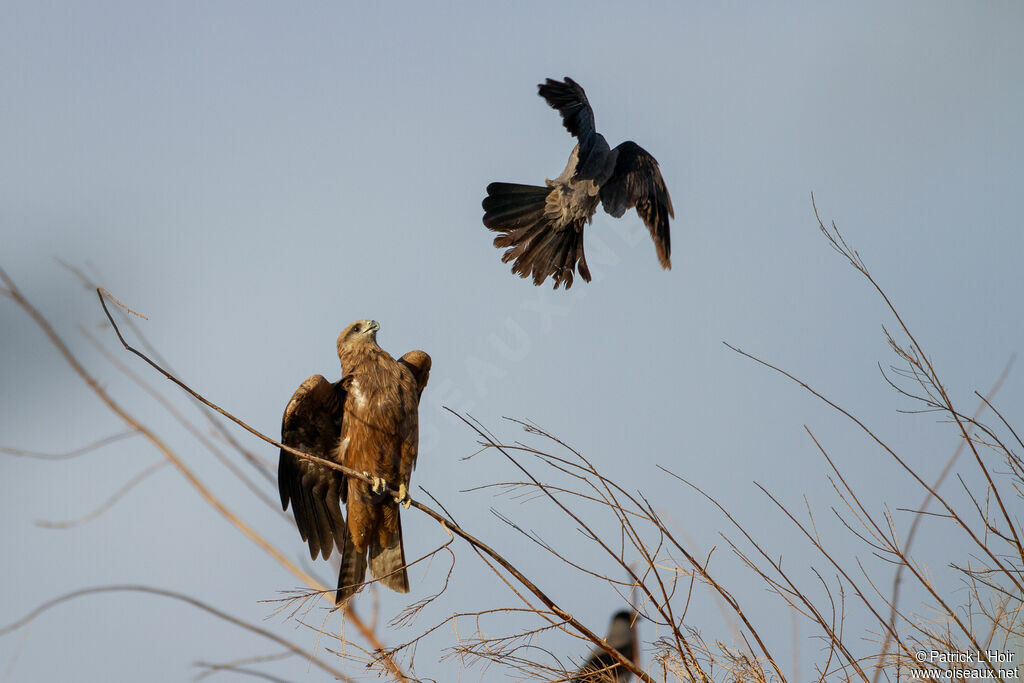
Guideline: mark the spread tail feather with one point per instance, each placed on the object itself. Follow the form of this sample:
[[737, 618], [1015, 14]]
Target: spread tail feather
[[509, 205], [388, 564], [353, 571], [537, 245]]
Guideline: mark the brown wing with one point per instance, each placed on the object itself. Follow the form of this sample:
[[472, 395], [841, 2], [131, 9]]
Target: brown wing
[[419, 363], [637, 182], [312, 424]]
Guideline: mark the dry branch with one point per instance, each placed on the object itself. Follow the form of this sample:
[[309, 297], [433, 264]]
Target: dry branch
[[293, 649]]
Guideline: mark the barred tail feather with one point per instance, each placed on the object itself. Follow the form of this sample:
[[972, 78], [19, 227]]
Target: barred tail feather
[[537, 245], [388, 564], [353, 571]]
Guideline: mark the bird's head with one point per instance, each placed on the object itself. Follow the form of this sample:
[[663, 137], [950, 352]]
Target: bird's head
[[357, 334]]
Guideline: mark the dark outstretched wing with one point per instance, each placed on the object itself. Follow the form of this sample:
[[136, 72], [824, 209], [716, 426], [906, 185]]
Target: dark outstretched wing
[[578, 118], [637, 182], [571, 102], [312, 424]]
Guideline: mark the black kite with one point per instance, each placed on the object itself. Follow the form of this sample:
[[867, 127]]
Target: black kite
[[368, 421]]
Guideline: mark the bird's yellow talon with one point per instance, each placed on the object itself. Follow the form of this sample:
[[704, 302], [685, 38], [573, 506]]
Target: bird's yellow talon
[[403, 498]]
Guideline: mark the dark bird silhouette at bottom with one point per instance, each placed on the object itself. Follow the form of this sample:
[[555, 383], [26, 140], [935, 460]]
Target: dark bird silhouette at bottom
[[601, 667]]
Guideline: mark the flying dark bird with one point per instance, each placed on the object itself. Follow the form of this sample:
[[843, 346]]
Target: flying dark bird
[[368, 421], [601, 667], [542, 227]]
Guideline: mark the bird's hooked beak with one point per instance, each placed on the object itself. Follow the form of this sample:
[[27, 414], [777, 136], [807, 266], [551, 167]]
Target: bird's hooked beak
[[360, 332], [371, 330]]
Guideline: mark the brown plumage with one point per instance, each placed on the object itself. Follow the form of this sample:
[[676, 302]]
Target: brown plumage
[[541, 228], [368, 421]]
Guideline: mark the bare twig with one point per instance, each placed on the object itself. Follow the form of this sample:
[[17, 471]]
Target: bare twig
[[106, 505], [28, 618], [74, 453], [912, 532]]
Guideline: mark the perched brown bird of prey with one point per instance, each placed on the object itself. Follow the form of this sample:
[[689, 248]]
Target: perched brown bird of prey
[[543, 226], [601, 667], [368, 421]]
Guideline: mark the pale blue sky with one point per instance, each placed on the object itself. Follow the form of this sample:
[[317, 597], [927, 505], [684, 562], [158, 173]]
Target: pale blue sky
[[254, 176]]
